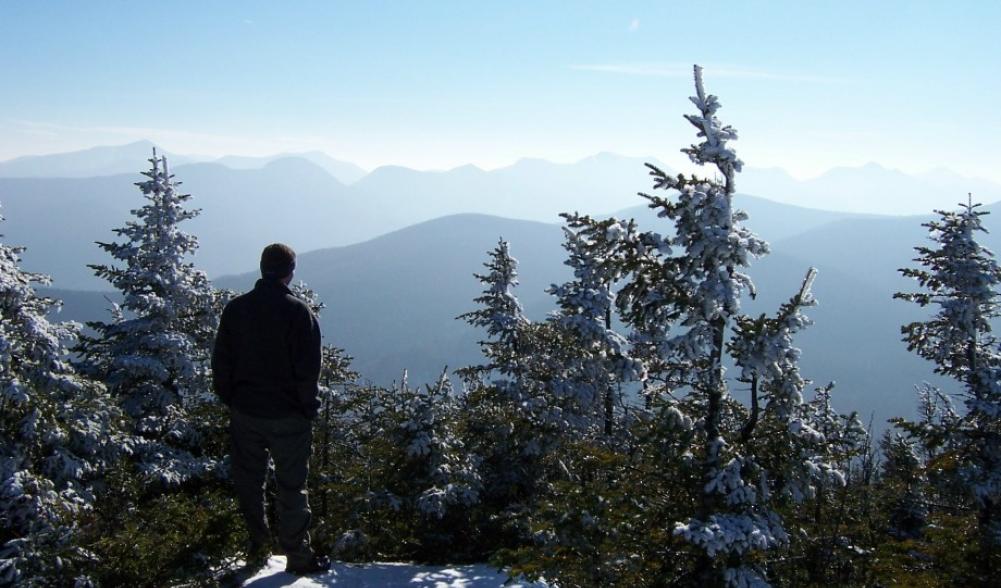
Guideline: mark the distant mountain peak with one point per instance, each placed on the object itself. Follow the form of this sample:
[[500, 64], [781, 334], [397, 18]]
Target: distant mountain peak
[[102, 160], [468, 168]]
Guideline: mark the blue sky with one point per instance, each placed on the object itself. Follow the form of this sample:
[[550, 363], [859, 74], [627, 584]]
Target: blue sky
[[809, 85]]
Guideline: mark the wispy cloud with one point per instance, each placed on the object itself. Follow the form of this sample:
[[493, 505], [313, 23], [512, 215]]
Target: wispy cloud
[[677, 70], [634, 25]]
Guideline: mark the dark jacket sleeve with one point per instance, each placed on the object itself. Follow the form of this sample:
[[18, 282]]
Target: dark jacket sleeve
[[223, 362], [306, 359]]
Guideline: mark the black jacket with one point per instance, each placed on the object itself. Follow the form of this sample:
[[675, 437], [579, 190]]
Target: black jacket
[[266, 360]]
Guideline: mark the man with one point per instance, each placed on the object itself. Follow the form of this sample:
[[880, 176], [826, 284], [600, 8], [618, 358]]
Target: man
[[265, 367]]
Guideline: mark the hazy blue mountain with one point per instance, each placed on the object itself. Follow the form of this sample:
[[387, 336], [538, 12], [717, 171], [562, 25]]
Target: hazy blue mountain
[[855, 339], [345, 172], [126, 159], [536, 189], [530, 189], [870, 188], [82, 305], [58, 220], [97, 161]]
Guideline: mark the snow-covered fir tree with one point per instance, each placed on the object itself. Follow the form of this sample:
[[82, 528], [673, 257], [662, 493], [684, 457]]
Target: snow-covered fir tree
[[680, 299], [524, 362], [959, 278], [58, 432], [600, 363], [505, 323], [153, 354], [514, 412]]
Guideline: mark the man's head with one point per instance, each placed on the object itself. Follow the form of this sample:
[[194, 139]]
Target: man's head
[[277, 262]]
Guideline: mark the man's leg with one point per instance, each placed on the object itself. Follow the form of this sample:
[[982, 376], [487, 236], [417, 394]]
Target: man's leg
[[291, 444], [249, 466]]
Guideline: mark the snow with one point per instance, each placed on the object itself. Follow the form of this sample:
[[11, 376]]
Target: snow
[[387, 575]]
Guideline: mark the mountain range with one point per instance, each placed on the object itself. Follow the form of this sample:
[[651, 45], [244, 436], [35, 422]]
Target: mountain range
[[870, 188], [296, 200], [393, 253]]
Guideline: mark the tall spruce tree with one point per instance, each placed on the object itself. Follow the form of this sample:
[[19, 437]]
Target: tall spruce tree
[[681, 297], [58, 432], [960, 278], [153, 355], [502, 317], [525, 360], [514, 418]]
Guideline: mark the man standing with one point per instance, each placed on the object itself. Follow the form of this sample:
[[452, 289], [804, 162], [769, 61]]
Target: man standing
[[265, 365]]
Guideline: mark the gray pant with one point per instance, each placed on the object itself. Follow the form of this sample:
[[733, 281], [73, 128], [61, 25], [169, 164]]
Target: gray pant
[[289, 441]]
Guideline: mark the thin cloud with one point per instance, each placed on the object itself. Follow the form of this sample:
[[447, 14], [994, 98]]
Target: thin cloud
[[634, 25], [667, 70]]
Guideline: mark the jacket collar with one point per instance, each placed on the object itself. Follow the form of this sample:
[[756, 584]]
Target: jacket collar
[[271, 284]]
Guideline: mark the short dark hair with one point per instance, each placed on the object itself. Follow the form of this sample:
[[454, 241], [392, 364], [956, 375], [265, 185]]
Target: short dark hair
[[277, 261]]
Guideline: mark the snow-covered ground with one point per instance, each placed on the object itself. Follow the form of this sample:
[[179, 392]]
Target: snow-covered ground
[[387, 575]]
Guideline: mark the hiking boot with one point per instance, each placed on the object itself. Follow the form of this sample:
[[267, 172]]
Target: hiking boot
[[318, 563], [257, 556], [256, 559]]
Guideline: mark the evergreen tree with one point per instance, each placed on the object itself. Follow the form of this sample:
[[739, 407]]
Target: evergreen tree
[[517, 409], [154, 354], [502, 317], [682, 295], [512, 380], [960, 278], [58, 432], [600, 362], [721, 473]]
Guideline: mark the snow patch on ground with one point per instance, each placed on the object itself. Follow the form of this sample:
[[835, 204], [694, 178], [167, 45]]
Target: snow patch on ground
[[387, 575]]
